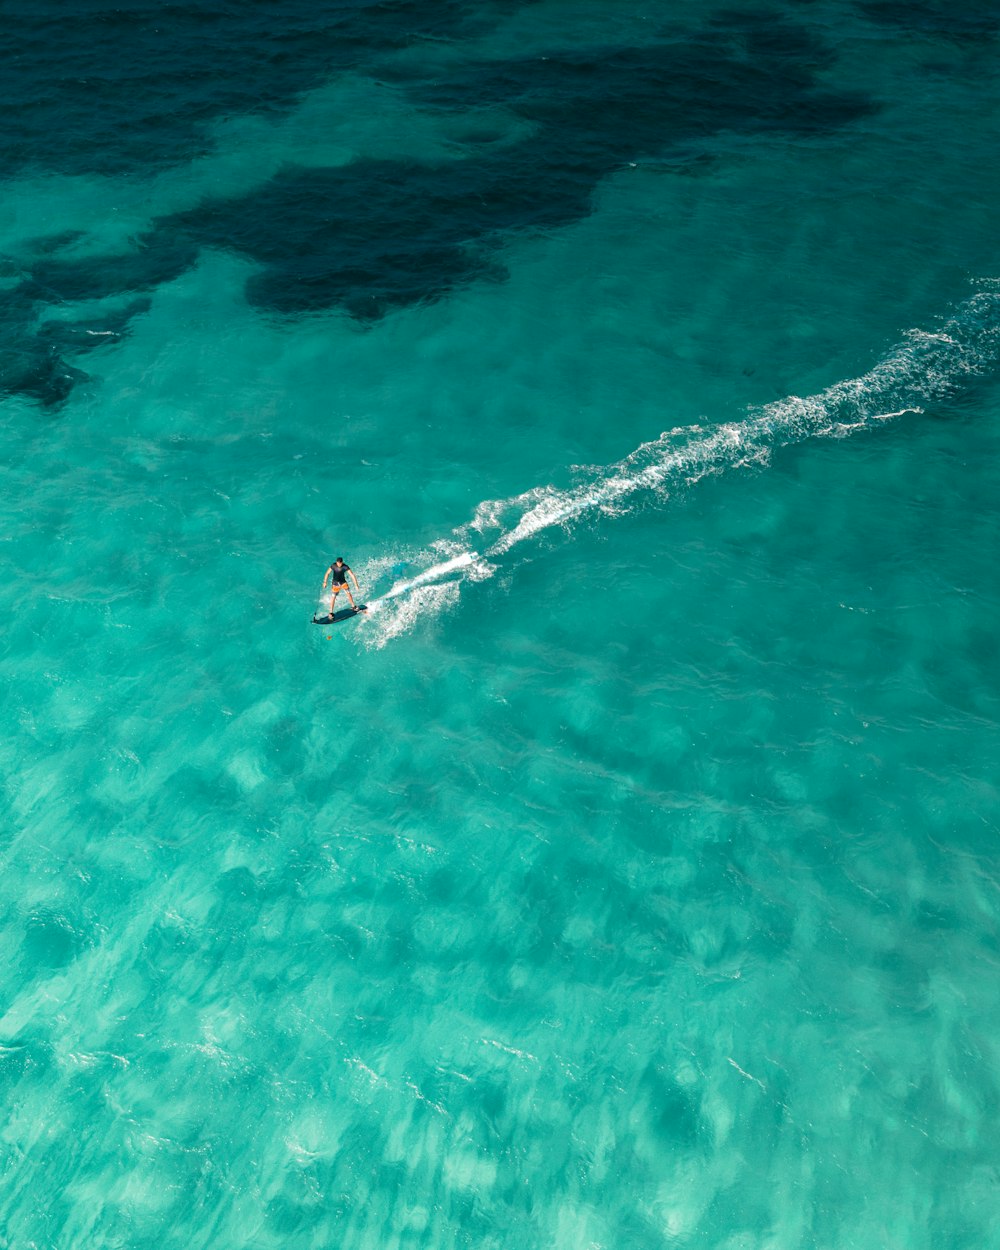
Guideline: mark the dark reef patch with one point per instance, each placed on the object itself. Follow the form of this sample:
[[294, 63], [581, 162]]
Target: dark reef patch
[[28, 368], [33, 357], [367, 236], [377, 235], [158, 258], [97, 87], [86, 335], [969, 22]]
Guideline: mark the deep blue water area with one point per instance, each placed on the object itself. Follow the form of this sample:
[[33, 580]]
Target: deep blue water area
[[366, 235], [111, 90]]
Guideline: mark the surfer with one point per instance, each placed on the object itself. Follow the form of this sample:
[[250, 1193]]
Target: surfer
[[336, 575]]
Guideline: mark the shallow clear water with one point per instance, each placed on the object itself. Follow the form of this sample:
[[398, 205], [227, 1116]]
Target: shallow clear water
[[628, 876]]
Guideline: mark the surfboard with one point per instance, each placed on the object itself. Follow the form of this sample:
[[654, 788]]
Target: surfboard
[[338, 618]]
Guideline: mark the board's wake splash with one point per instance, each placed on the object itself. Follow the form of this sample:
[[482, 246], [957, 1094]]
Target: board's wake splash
[[924, 366]]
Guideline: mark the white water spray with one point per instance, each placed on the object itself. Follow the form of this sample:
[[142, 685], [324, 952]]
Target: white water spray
[[923, 367]]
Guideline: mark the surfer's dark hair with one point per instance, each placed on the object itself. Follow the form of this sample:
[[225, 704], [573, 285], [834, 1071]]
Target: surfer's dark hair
[[339, 560]]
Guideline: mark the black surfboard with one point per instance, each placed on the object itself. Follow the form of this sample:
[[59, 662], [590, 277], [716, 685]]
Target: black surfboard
[[338, 618]]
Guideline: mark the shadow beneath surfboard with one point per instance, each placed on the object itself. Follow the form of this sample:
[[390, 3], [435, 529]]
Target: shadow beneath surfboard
[[339, 617]]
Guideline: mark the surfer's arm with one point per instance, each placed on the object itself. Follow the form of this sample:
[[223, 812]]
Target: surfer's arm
[[326, 577], [356, 586]]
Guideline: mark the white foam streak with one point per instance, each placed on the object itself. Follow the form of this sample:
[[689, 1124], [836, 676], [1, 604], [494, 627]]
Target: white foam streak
[[925, 366], [433, 574], [653, 466], [397, 618]]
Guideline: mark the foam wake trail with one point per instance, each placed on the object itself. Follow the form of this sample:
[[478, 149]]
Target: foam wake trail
[[924, 366], [434, 573]]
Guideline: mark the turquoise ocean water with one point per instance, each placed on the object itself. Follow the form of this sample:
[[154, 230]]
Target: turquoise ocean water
[[629, 877]]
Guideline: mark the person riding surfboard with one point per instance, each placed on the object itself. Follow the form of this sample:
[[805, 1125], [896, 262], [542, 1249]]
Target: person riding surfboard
[[337, 575]]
